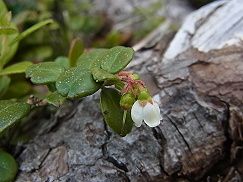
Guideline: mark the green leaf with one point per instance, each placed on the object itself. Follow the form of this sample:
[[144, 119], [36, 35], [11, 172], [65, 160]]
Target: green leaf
[[111, 60], [31, 30], [63, 61], [91, 59], [116, 59], [11, 112], [101, 75], [7, 51], [5, 19], [16, 68], [76, 82], [7, 30], [3, 8], [8, 167], [6, 26], [4, 84], [43, 73], [55, 99], [76, 49], [117, 119]]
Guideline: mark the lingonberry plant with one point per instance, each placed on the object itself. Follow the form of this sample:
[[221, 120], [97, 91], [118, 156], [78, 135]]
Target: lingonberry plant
[[124, 98]]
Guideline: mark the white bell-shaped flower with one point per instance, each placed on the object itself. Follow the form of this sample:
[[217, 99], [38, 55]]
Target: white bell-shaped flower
[[149, 113]]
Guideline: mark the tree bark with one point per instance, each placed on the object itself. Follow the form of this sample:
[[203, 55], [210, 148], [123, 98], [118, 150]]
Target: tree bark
[[198, 83]]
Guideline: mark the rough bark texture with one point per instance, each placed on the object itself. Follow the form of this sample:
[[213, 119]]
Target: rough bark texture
[[199, 82]]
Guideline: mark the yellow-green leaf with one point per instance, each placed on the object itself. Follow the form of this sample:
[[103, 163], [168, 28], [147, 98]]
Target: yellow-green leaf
[[76, 49], [31, 30], [16, 68], [3, 8]]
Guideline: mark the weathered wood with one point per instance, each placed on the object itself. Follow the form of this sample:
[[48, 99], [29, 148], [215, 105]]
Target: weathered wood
[[204, 63], [199, 88]]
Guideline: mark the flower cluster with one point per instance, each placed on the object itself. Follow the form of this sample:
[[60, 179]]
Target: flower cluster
[[137, 98]]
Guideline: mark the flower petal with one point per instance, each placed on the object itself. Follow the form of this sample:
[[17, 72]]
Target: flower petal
[[137, 114], [156, 105], [151, 114]]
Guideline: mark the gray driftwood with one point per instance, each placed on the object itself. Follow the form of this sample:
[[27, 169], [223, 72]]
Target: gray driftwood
[[199, 84]]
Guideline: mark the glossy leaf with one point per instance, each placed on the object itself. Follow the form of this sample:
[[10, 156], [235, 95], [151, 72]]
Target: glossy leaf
[[116, 59], [8, 167], [31, 30], [55, 99], [4, 84], [114, 115], [11, 112], [76, 49], [16, 68], [43, 73], [91, 59], [76, 82], [101, 75]]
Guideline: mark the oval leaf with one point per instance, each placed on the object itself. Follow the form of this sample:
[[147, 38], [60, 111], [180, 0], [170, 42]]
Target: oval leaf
[[16, 68], [43, 73], [114, 115], [91, 59], [116, 59], [11, 112], [76, 49], [76, 82], [8, 167]]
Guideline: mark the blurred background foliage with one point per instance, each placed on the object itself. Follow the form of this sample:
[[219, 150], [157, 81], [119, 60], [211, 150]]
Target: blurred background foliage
[[75, 18]]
